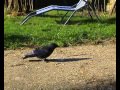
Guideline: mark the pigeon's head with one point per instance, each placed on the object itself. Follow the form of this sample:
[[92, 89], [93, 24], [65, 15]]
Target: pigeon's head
[[54, 45]]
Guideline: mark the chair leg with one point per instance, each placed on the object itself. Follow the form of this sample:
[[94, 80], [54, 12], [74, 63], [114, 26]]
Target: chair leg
[[93, 10], [28, 17], [82, 13], [58, 12], [25, 20], [69, 18], [89, 12], [94, 13], [64, 16]]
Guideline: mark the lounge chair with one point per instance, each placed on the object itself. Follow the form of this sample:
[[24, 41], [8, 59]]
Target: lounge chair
[[74, 8]]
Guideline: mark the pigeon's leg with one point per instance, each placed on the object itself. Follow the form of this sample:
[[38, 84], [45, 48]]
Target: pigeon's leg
[[45, 60]]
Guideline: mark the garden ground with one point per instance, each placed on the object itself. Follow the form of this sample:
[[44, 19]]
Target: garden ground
[[85, 67]]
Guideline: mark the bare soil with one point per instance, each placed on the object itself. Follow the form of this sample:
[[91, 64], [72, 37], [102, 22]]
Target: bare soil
[[86, 67]]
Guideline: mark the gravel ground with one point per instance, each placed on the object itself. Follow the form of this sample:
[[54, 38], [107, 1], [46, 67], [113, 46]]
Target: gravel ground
[[86, 67]]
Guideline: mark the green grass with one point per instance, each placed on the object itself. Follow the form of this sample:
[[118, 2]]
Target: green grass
[[46, 29]]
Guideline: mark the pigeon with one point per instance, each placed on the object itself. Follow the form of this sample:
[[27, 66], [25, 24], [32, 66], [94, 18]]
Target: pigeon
[[42, 52]]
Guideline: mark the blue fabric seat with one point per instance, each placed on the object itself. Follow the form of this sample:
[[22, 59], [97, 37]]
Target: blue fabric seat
[[74, 8]]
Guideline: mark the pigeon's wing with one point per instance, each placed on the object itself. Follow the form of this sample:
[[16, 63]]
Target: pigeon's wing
[[41, 48], [42, 53], [45, 47]]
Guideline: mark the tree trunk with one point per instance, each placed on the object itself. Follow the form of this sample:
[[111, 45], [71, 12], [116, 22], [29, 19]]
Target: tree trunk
[[6, 3], [113, 8], [18, 6]]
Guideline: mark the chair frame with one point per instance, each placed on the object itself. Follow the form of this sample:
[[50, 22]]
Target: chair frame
[[64, 8]]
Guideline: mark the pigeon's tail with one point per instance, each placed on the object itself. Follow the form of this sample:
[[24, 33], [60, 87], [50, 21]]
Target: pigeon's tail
[[29, 55]]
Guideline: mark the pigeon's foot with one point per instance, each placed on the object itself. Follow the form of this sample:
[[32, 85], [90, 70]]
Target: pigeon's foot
[[24, 57], [45, 60]]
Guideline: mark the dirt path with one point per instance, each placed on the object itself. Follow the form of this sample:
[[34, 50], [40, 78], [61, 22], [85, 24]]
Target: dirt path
[[89, 67]]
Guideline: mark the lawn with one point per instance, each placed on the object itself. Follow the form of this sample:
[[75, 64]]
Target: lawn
[[42, 30]]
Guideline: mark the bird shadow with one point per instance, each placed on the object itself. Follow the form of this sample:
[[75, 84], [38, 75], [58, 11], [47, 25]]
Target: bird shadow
[[17, 65], [62, 60]]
